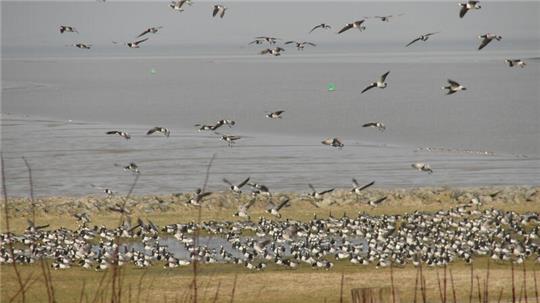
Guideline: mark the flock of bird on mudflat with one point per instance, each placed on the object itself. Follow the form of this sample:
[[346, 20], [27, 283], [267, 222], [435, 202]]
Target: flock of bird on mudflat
[[461, 233]]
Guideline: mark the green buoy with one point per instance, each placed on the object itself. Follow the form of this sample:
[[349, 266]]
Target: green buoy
[[331, 87]]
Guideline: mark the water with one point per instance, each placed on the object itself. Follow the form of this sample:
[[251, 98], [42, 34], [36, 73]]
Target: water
[[58, 102]]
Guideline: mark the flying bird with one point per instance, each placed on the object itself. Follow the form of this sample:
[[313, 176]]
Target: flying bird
[[270, 40], [301, 45], [318, 195], [378, 125], [229, 123], [275, 115], [243, 209], [335, 142], [387, 18], [515, 62], [453, 87], [423, 37], [122, 134], [355, 24], [150, 30], [177, 5], [357, 188], [420, 166], [68, 29], [219, 10], [487, 38], [375, 203], [136, 43], [321, 26], [159, 129], [81, 45], [275, 210], [465, 7], [379, 83], [236, 188], [197, 197], [132, 167], [228, 138], [274, 51]]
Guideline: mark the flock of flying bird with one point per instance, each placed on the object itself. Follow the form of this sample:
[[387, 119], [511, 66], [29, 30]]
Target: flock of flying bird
[[443, 237]]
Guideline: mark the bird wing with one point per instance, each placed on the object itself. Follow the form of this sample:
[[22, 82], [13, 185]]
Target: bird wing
[[367, 185], [378, 201], [112, 132], [463, 11], [383, 77], [250, 203], [140, 41], [312, 188], [345, 28], [244, 182], [354, 182], [204, 195], [289, 42], [216, 9], [485, 42], [152, 130], [453, 83], [316, 27], [309, 43], [370, 124], [265, 51], [279, 112], [372, 85], [227, 181], [283, 203], [222, 13], [327, 191], [143, 33], [430, 34], [413, 41]]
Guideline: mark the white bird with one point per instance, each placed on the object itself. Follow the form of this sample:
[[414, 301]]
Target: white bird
[[420, 166], [355, 24], [487, 38], [465, 7], [379, 83]]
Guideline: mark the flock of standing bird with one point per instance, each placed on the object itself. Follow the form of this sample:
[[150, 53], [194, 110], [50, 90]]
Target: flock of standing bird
[[460, 233]]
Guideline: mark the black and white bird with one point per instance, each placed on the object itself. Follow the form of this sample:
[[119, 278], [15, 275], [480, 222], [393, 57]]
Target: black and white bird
[[275, 209], [335, 142], [260, 189], [219, 10], [132, 167], [376, 202], [243, 209], [206, 127], [276, 51], [420, 166], [387, 18], [121, 133], [515, 62], [379, 83], [321, 26], [177, 5], [135, 44], [318, 195], [106, 190], [82, 45], [357, 188], [197, 197], [423, 37], [487, 38], [228, 138], [275, 115], [270, 40], [229, 123], [355, 24], [465, 7], [453, 87], [159, 129], [150, 30], [378, 125], [301, 45], [236, 188], [67, 29]]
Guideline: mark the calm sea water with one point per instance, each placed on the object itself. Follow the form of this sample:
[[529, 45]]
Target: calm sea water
[[58, 102]]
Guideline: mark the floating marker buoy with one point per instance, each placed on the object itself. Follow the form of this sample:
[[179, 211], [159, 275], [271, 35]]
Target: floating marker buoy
[[331, 87]]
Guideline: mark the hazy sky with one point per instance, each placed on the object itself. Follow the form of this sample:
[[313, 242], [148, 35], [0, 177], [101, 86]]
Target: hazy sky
[[36, 23]]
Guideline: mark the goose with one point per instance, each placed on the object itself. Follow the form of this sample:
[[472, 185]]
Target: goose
[[357, 188], [355, 24], [205, 127], [301, 45], [487, 38], [229, 123], [321, 26], [228, 138], [177, 5], [318, 195], [68, 29], [219, 9], [275, 115], [379, 83], [132, 167], [197, 197], [378, 125], [515, 62], [122, 134], [236, 188], [151, 30], [375, 203], [136, 43], [270, 40], [82, 45], [276, 51], [465, 7], [453, 87], [159, 129], [335, 142], [387, 18], [420, 166], [260, 188], [243, 209], [423, 37], [275, 210]]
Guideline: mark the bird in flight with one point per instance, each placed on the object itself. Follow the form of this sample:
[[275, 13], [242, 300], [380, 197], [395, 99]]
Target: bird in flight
[[387, 18], [379, 83], [243, 209], [465, 7], [301, 45], [355, 24], [376, 203], [378, 125], [219, 10], [357, 188], [150, 30], [159, 129], [453, 87], [81, 45], [236, 188], [275, 115], [515, 62], [275, 210], [274, 51], [420, 166], [423, 37], [228, 138], [121, 133], [177, 4], [487, 38], [335, 142], [321, 26], [68, 29]]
